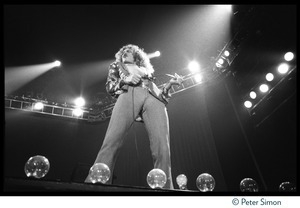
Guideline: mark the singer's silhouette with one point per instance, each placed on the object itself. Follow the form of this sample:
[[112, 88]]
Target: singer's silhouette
[[130, 80]]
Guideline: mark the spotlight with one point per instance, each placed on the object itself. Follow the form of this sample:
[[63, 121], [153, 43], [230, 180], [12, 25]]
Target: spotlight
[[289, 56], [263, 88], [221, 61], [38, 106], [269, 77], [283, 68], [252, 94], [157, 53], [218, 65], [226, 53], [79, 102], [193, 66], [77, 112], [198, 78], [152, 55], [56, 63], [226, 7], [247, 104]]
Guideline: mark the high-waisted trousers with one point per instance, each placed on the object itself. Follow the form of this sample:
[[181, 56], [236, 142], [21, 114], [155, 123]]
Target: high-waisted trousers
[[138, 101]]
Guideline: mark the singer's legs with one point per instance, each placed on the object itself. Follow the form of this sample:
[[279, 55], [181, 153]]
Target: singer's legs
[[157, 125], [120, 122]]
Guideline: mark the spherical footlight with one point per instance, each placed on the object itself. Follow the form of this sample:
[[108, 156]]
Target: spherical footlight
[[37, 166], [248, 185], [156, 178], [205, 182], [99, 173], [181, 180], [287, 187]]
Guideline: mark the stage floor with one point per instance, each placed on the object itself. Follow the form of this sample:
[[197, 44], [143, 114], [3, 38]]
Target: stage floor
[[18, 185]]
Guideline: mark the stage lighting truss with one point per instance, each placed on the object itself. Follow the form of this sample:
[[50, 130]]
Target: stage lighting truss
[[226, 56], [232, 48], [54, 109], [260, 96], [91, 115], [96, 112]]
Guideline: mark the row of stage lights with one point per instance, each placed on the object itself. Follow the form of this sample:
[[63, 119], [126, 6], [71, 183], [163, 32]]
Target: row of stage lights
[[223, 60], [226, 56], [259, 91], [77, 111], [38, 166], [221, 64]]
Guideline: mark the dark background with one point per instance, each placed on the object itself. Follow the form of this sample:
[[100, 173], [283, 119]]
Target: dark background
[[211, 131]]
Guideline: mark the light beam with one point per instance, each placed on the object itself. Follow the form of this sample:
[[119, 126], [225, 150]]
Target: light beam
[[16, 77]]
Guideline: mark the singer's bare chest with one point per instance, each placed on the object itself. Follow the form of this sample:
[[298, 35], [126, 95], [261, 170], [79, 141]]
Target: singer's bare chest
[[134, 69]]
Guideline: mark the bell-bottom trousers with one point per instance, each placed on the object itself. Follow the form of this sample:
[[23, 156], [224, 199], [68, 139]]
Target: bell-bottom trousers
[[138, 101]]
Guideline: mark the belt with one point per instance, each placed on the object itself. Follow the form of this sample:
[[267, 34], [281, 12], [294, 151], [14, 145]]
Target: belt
[[143, 83]]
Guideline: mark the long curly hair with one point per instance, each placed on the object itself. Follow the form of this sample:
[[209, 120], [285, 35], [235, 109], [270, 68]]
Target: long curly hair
[[140, 57]]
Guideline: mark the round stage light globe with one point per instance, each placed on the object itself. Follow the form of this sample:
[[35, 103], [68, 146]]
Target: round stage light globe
[[283, 68], [226, 53], [181, 180], [247, 104], [156, 178], [221, 61], [263, 88], [99, 173], [37, 166], [269, 77], [248, 185], [205, 182], [289, 56], [287, 187], [252, 94]]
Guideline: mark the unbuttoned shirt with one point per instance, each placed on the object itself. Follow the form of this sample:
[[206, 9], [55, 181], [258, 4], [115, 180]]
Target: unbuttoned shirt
[[115, 84]]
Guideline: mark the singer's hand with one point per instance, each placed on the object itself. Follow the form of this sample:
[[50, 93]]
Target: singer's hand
[[133, 79], [176, 80]]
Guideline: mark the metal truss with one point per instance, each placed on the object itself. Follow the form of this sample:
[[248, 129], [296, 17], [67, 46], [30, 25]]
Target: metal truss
[[27, 104]]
